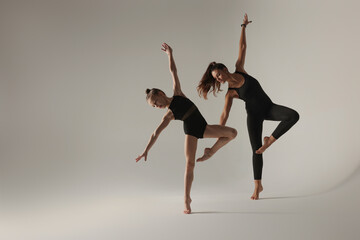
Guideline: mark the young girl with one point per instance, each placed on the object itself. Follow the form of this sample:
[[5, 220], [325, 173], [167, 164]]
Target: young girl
[[259, 106], [195, 126]]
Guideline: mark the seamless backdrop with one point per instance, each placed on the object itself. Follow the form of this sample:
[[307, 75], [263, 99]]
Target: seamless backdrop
[[73, 110]]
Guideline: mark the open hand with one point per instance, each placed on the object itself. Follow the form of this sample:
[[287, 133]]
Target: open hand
[[166, 48], [141, 156], [246, 21]]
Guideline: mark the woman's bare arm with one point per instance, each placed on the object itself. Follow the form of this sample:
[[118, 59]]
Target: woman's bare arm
[[164, 123], [226, 111], [242, 46], [172, 67]]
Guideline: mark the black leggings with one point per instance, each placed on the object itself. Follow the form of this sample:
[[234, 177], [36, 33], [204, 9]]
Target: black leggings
[[288, 118]]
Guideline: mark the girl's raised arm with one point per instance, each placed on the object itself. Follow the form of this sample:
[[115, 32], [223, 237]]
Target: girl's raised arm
[[176, 83]]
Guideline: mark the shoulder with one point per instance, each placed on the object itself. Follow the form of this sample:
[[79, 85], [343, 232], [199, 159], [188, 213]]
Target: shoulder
[[231, 93], [240, 70], [178, 92], [180, 95], [168, 116]]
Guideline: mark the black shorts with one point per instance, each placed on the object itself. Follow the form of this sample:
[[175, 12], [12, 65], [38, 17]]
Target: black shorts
[[195, 124]]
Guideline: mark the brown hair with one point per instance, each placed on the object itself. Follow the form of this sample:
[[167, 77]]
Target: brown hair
[[151, 92], [208, 83]]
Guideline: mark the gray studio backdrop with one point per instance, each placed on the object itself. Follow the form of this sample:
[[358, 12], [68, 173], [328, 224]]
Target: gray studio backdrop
[[73, 109]]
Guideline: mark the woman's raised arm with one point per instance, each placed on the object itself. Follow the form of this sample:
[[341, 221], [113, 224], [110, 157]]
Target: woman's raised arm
[[242, 46]]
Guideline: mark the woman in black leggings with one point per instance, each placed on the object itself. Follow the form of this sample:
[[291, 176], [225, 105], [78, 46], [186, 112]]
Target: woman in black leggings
[[259, 106]]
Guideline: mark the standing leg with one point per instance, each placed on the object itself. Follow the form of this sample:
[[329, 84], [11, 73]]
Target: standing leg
[[190, 151], [255, 125], [288, 118], [224, 135]]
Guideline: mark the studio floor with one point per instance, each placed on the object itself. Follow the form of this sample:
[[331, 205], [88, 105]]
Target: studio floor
[[330, 215]]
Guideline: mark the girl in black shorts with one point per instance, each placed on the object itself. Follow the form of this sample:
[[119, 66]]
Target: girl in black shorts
[[195, 126], [259, 106]]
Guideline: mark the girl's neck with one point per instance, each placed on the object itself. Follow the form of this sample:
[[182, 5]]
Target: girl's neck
[[168, 101]]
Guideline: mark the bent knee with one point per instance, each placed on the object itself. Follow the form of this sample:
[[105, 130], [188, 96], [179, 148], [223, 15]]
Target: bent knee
[[295, 116], [233, 133]]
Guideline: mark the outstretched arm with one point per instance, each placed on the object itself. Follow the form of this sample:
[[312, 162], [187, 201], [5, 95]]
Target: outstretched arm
[[176, 83], [164, 123], [228, 103], [242, 46]]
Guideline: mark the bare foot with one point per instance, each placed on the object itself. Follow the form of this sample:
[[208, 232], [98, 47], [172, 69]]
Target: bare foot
[[263, 147], [187, 206], [206, 156], [256, 193]]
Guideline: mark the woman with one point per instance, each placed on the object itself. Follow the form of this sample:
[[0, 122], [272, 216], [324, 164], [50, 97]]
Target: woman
[[195, 126], [259, 106]]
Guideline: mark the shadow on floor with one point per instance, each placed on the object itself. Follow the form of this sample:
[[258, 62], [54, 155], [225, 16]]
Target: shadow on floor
[[243, 212], [285, 197]]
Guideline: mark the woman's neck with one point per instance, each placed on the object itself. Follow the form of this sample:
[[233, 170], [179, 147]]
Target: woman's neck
[[232, 80]]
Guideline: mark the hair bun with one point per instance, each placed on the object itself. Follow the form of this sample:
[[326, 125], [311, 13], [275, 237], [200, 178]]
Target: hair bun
[[212, 63], [147, 91]]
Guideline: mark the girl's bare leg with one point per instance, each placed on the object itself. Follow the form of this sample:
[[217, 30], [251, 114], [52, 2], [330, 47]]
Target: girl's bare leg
[[224, 135], [190, 151]]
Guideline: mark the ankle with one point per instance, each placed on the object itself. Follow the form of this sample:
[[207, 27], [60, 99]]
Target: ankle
[[257, 183], [271, 139], [210, 152]]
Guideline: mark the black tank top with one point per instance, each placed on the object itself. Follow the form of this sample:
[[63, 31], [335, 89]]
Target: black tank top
[[256, 100], [181, 107]]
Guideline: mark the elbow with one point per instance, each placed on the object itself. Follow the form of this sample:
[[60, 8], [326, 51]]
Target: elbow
[[173, 70], [155, 135], [223, 119]]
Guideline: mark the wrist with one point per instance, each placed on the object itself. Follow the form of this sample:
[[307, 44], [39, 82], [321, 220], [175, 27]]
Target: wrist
[[243, 25]]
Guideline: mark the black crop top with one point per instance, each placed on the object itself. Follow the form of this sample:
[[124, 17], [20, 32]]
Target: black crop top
[[181, 107]]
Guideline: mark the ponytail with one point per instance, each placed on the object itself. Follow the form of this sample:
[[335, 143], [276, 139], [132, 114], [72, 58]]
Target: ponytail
[[208, 83]]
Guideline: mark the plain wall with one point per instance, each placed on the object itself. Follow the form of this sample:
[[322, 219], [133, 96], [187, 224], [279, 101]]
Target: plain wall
[[74, 115]]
